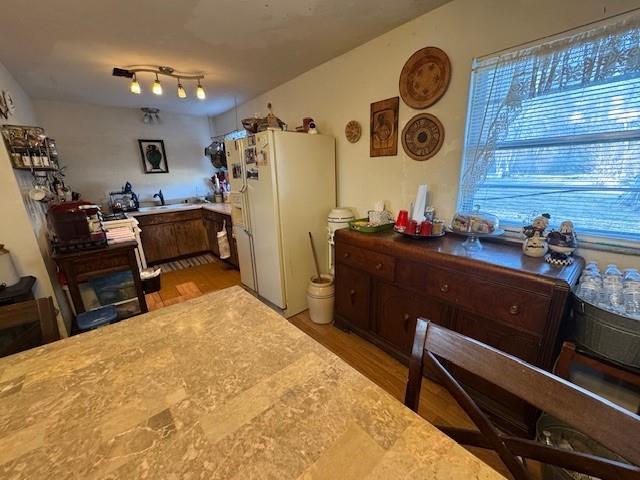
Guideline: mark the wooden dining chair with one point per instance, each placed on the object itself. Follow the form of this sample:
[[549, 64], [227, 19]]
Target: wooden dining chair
[[38, 319], [603, 421]]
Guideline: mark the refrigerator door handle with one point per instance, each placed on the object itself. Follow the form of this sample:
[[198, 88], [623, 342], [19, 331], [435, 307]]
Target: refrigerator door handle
[[243, 189]]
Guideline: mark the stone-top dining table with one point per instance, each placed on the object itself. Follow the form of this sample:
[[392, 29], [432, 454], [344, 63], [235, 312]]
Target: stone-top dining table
[[219, 386]]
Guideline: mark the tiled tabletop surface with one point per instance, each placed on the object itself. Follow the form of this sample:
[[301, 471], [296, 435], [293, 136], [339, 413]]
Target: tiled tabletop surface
[[216, 387]]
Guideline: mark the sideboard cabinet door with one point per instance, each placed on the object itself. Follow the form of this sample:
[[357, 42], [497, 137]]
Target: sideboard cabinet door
[[353, 292], [397, 313]]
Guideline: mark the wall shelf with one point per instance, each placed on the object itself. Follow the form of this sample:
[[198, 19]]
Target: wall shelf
[[38, 169]]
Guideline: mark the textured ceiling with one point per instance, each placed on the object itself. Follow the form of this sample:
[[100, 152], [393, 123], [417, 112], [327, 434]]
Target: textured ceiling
[[65, 49]]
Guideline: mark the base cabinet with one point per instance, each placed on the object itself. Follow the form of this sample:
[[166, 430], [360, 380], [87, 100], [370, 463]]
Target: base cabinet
[[397, 312], [159, 242], [516, 304], [191, 237], [353, 297], [170, 235]]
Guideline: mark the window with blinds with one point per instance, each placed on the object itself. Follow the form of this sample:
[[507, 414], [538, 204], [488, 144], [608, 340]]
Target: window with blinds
[[556, 128]]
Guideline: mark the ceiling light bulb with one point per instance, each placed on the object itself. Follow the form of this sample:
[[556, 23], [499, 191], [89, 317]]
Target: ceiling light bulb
[[182, 93], [135, 86], [200, 92], [157, 88]]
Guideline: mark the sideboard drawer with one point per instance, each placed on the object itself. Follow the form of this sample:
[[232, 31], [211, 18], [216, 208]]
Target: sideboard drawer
[[377, 264], [519, 308]]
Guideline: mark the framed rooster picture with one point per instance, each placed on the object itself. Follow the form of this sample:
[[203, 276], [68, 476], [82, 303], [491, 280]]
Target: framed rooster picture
[[384, 128]]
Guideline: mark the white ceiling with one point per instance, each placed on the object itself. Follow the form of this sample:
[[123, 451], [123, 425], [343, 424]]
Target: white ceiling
[[65, 49]]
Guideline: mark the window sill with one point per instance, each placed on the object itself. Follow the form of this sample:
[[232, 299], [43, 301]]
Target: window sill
[[586, 242]]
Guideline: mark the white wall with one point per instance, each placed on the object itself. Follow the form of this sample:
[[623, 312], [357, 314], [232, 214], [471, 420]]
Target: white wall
[[99, 147], [343, 88], [20, 227]]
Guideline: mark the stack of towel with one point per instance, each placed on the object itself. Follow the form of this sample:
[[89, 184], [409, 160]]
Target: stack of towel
[[120, 235]]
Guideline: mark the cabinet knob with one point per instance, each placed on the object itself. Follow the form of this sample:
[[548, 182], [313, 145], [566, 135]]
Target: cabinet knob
[[379, 266], [514, 309], [444, 288], [346, 255], [406, 321], [352, 293]]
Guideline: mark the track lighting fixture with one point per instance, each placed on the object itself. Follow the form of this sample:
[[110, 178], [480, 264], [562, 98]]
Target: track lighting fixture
[[132, 71], [135, 86], [200, 92], [157, 88], [182, 93]]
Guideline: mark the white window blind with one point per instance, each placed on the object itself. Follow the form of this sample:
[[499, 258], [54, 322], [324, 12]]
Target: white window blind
[[556, 128]]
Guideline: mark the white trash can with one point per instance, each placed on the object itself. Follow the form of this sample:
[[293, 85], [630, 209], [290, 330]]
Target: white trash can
[[320, 297]]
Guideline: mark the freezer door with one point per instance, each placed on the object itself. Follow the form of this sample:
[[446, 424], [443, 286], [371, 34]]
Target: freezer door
[[262, 190], [234, 164]]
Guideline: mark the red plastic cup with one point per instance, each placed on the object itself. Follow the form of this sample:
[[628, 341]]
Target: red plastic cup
[[425, 228], [412, 226], [402, 220]]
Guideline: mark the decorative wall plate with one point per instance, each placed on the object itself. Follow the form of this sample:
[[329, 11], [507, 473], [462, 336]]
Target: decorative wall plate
[[422, 136], [425, 77], [353, 131]]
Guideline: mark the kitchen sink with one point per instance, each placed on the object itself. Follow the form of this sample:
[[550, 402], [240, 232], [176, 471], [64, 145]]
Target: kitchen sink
[[177, 206]]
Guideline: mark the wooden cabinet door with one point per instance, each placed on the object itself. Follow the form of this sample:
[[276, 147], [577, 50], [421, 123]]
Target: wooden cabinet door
[[509, 340], [508, 410], [353, 296], [159, 242], [397, 313], [191, 237]]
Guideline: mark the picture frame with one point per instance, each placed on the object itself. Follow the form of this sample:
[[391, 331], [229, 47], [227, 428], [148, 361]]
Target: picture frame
[[384, 128], [154, 156]]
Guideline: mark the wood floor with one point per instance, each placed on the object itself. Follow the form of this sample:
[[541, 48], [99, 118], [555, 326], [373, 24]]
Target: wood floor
[[180, 285], [436, 405]]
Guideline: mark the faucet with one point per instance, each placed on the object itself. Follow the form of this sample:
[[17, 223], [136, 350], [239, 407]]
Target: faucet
[[160, 197]]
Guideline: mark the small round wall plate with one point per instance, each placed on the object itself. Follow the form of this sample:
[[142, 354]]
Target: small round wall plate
[[425, 77], [422, 136], [353, 131]]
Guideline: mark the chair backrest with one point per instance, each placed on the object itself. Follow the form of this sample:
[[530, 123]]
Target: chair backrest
[[39, 314], [604, 421]]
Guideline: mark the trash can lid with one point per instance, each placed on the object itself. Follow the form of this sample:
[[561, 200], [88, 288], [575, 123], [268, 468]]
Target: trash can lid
[[97, 317]]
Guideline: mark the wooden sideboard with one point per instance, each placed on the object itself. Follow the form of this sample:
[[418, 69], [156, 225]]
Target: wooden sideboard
[[496, 295]]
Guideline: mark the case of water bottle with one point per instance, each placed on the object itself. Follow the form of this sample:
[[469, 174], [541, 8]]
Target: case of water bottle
[[607, 313]]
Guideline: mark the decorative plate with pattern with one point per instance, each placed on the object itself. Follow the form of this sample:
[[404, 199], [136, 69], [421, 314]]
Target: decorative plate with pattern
[[353, 131], [422, 136], [425, 77]]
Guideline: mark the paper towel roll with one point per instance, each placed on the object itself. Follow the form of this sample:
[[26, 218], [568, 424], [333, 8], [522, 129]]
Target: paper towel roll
[[420, 204]]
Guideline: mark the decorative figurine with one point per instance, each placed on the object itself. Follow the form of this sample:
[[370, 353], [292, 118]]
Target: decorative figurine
[[535, 244], [562, 244]]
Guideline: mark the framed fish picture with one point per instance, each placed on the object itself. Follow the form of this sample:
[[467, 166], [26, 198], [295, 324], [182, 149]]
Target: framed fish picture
[[154, 157], [384, 128]]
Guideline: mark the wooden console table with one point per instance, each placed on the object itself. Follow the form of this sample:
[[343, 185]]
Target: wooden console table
[[496, 295], [83, 265]]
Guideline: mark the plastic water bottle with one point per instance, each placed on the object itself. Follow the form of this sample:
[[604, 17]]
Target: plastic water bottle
[[592, 267], [611, 296], [590, 288], [631, 293]]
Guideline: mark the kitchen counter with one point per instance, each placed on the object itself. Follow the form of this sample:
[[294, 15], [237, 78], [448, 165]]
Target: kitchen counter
[[216, 387], [223, 208]]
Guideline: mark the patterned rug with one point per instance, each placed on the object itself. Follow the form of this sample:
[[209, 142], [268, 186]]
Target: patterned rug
[[187, 262]]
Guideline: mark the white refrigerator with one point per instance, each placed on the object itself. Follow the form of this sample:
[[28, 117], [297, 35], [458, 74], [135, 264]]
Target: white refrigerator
[[283, 185]]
